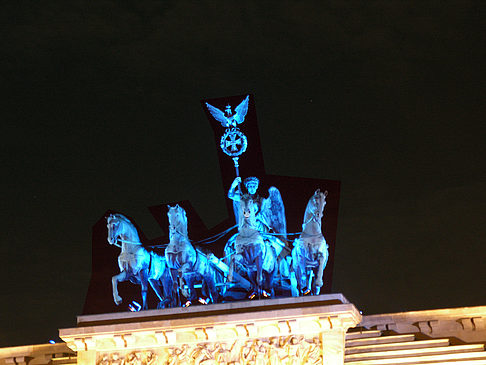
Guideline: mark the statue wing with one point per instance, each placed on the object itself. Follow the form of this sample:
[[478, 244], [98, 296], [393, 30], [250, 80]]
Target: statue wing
[[274, 211], [241, 110], [218, 115]]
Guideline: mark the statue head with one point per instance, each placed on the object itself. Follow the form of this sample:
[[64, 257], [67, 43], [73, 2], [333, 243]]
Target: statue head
[[251, 184]]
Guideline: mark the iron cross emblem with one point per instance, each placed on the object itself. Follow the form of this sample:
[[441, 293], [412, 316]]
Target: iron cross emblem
[[233, 142]]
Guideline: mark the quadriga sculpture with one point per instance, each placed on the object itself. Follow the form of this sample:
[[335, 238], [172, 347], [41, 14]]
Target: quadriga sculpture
[[310, 252], [249, 253], [188, 265], [136, 263]]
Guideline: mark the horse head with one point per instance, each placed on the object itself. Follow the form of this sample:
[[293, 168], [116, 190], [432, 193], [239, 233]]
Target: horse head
[[320, 202], [311, 250], [177, 220], [118, 225], [247, 212], [315, 207], [113, 224]]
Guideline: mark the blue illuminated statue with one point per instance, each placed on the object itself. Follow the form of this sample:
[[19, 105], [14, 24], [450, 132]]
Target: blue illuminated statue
[[257, 262], [137, 264], [270, 212], [310, 252], [227, 118], [269, 216], [233, 142], [188, 265], [249, 255]]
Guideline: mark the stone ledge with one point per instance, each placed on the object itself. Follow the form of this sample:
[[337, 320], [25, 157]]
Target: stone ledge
[[314, 325], [212, 310]]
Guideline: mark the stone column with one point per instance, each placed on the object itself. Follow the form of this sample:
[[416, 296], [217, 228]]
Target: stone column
[[334, 337]]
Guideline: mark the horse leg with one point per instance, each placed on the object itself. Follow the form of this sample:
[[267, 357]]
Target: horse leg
[[144, 284], [155, 284], [252, 277], [268, 290], [259, 278], [210, 284], [189, 279], [231, 267], [188, 276], [297, 262], [168, 288], [320, 270], [114, 281], [237, 264], [175, 288]]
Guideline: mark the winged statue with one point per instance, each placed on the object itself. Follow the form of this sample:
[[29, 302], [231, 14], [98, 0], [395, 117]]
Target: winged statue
[[270, 212], [227, 118], [273, 211]]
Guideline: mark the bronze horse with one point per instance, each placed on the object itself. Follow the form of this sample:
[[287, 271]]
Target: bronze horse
[[136, 263], [310, 252], [188, 265], [250, 254]]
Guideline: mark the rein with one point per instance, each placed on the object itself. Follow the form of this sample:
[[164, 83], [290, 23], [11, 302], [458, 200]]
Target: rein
[[312, 218], [180, 234], [216, 237], [130, 242]]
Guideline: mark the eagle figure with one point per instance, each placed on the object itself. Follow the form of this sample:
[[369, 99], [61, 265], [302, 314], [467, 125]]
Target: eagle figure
[[230, 120]]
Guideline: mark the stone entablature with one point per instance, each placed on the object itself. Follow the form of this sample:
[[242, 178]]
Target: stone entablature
[[467, 324], [269, 331], [42, 354], [281, 331]]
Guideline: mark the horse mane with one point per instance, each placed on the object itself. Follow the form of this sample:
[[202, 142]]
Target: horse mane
[[308, 209], [120, 217], [312, 203], [182, 221], [244, 198]]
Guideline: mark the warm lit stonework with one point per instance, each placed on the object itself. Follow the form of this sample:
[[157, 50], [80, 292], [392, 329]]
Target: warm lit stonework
[[305, 330], [322, 329], [52, 354]]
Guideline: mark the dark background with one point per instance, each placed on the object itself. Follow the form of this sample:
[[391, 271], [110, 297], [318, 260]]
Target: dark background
[[100, 110]]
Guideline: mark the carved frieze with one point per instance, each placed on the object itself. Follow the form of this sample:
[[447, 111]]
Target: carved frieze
[[272, 350]]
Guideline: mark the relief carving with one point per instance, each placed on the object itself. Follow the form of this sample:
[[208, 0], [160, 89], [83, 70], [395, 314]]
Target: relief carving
[[131, 358], [285, 350]]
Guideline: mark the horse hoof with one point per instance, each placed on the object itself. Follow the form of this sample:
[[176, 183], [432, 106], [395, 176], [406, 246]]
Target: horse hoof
[[204, 301], [265, 294], [306, 291], [187, 304], [252, 295]]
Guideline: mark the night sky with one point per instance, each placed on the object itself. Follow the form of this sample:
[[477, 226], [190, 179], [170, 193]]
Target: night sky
[[101, 110]]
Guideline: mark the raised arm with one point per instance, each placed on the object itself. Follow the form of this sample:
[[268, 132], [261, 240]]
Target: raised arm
[[234, 191]]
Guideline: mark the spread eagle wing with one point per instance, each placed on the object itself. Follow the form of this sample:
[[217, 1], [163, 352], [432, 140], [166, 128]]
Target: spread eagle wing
[[274, 211], [218, 115], [241, 110]]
